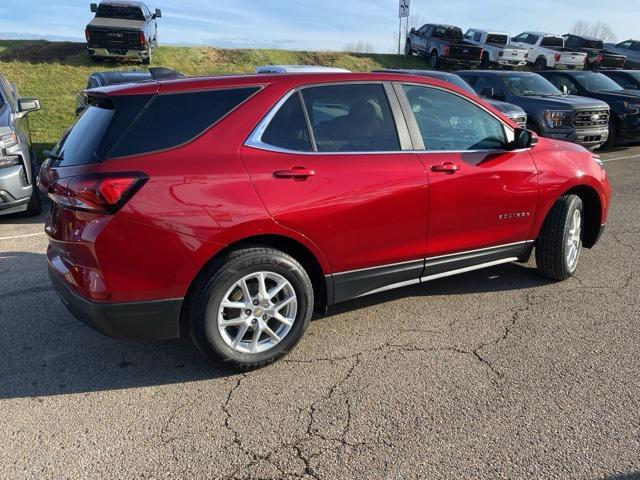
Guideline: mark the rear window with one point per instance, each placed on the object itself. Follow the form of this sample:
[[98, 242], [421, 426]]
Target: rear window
[[498, 39], [448, 33], [121, 12], [134, 124], [595, 44], [174, 119], [552, 42]]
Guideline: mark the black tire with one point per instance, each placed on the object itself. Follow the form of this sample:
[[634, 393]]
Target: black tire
[[485, 63], [408, 49], [208, 292], [434, 60], [35, 203], [95, 58], [614, 133], [552, 244], [541, 64]]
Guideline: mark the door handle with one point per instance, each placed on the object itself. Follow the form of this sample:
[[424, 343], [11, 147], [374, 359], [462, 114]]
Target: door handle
[[295, 172], [446, 167]]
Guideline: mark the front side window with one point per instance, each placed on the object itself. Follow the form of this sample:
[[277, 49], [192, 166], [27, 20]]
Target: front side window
[[351, 118], [552, 42], [484, 84], [448, 122], [560, 81]]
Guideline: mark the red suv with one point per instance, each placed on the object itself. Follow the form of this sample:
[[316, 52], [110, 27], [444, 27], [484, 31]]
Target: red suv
[[236, 206]]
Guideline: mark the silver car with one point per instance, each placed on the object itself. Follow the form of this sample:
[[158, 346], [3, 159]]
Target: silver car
[[18, 167]]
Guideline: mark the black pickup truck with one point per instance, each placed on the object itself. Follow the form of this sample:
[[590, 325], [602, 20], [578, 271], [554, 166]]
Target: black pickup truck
[[597, 56], [122, 30], [442, 45]]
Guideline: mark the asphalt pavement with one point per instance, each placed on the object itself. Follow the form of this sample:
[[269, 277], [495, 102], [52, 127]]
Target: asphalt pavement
[[495, 374]]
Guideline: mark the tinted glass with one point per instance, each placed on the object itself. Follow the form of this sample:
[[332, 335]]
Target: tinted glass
[[351, 118], [448, 122], [560, 81], [79, 145], [623, 81], [122, 12], [529, 85], [484, 83], [552, 42], [288, 129], [174, 119], [596, 82], [498, 39]]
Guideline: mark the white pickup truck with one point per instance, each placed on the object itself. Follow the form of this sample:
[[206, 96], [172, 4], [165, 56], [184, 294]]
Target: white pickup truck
[[547, 50], [497, 50]]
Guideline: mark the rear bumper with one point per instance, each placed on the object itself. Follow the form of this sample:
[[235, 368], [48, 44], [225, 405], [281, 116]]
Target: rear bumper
[[119, 53], [562, 66], [511, 63], [151, 320], [459, 62]]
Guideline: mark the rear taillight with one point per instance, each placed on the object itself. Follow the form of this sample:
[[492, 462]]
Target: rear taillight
[[100, 193], [446, 51], [481, 53], [142, 39], [556, 56], [599, 58], [87, 34]]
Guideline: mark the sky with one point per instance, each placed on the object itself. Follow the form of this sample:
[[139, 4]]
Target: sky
[[317, 24]]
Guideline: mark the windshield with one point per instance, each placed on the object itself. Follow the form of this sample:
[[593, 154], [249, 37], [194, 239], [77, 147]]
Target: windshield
[[121, 12], [596, 82], [498, 39], [529, 85]]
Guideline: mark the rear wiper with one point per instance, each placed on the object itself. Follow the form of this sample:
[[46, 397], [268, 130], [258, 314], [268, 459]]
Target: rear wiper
[[50, 154]]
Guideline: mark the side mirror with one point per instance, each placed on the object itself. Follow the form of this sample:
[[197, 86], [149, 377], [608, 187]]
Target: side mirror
[[413, 30], [158, 13], [488, 92], [565, 90], [524, 139], [28, 105], [94, 7]]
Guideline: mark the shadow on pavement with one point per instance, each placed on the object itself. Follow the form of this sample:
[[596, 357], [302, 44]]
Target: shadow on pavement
[[44, 351]]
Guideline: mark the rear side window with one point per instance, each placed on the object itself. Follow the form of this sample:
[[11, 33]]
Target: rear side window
[[288, 129], [351, 118], [79, 145], [552, 42], [174, 119]]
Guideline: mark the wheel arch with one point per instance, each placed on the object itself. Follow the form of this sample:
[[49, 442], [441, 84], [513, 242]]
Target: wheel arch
[[322, 290]]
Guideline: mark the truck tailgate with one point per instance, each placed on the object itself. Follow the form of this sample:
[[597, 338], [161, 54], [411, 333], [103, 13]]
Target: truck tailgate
[[464, 51], [514, 54], [572, 58]]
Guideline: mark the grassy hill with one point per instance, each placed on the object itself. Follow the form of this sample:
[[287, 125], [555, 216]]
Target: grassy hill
[[55, 72]]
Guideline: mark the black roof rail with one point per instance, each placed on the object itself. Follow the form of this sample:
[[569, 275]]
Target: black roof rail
[[162, 73]]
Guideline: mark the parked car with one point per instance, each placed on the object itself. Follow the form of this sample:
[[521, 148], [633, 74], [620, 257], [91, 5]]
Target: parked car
[[624, 123], [263, 203], [18, 166], [122, 30], [298, 69], [497, 50], [547, 50], [516, 114], [550, 113], [630, 48], [442, 45], [597, 56], [627, 79], [117, 77]]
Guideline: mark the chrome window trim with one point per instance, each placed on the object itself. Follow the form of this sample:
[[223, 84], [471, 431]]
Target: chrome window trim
[[255, 138]]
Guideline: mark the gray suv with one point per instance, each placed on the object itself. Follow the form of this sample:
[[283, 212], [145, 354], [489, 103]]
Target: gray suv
[[18, 168]]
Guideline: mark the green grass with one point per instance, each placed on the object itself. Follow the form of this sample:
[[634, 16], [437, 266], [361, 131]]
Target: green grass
[[55, 72]]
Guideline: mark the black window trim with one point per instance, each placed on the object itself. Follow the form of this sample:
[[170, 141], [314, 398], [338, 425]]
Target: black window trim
[[416, 135], [258, 88], [404, 137]]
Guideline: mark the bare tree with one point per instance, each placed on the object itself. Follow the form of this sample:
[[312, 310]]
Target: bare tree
[[416, 21], [358, 47], [598, 30]]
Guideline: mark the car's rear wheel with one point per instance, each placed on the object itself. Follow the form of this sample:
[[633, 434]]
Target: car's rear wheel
[[250, 308], [560, 242], [434, 60], [541, 64]]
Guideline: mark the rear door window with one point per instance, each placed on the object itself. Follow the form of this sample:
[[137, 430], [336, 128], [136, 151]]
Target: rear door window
[[288, 129], [79, 145], [351, 118], [171, 120]]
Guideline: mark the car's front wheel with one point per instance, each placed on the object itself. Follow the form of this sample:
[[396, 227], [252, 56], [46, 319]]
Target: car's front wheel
[[560, 242], [251, 307]]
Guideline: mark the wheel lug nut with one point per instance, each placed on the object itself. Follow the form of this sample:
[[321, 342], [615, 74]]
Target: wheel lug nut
[[256, 302], [247, 312], [254, 321], [264, 317], [266, 304]]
